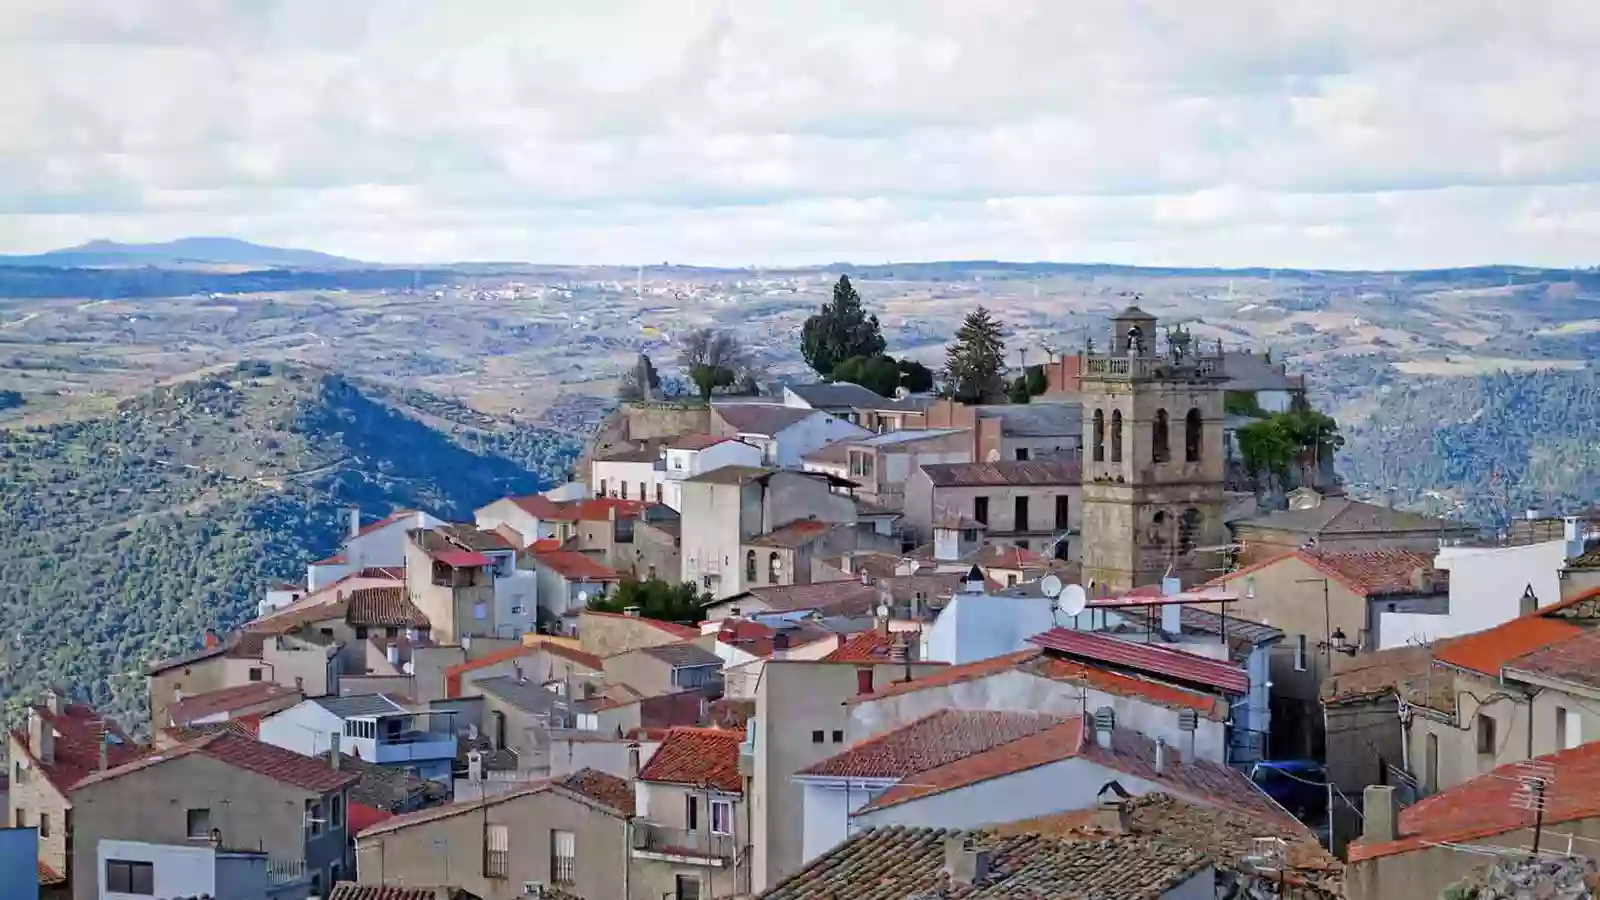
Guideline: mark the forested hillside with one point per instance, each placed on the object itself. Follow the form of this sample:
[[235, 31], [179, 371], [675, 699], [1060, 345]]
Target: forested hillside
[[122, 538], [1499, 444]]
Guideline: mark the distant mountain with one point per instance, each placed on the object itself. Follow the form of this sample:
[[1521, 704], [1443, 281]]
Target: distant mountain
[[123, 537], [184, 251]]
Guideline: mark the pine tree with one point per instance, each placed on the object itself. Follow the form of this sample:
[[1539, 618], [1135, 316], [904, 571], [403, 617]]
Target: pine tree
[[973, 363], [841, 330]]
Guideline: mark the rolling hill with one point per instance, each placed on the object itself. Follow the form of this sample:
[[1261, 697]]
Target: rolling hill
[[123, 537], [184, 251]]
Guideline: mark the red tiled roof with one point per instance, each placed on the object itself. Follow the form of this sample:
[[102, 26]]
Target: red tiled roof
[[995, 474], [1575, 659], [460, 559], [226, 700], [1371, 573], [1488, 651], [308, 773], [683, 632], [753, 638], [1484, 806], [601, 787], [1048, 745], [598, 509], [49, 877], [863, 646], [453, 674], [574, 566], [1038, 662], [932, 741], [794, 534], [537, 505], [698, 756], [1159, 661], [360, 817], [696, 441], [996, 557], [384, 607], [76, 747], [385, 522], [545, 545]]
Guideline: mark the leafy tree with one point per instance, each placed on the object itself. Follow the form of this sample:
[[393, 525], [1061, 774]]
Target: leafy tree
[[656, 599], [1298, 436], [640, 382], [1031, 383], [974, 362], [1242, 403], [714, 359], [916, 377], [841, 330], [879, 374]]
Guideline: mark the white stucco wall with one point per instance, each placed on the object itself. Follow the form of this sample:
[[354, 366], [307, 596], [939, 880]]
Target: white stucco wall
[[1486, 588], [385, 546], [808, 434], [307, 729], [607, 478], [978, 626], [178, 871]]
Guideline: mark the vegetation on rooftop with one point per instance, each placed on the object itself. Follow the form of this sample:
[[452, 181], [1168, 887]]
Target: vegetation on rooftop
[[656, 599]]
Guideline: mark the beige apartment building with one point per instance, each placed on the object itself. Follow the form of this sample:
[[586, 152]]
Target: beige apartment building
[[569, 835], [691, 838], [452, 586], [1036, 505]]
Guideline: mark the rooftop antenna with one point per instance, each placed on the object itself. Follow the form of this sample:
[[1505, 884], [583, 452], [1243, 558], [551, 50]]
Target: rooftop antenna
[[1535, 778]]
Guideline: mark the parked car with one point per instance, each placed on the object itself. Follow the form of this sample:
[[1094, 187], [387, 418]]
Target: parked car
[[1298, 785]]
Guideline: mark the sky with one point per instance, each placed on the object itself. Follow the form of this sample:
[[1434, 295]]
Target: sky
[[1301, 133]]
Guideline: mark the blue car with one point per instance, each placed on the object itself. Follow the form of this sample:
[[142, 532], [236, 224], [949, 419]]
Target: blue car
[[1298, 785]]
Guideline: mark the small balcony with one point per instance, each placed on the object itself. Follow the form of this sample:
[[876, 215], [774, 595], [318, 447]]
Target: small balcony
[[678, 845], [414, 746]]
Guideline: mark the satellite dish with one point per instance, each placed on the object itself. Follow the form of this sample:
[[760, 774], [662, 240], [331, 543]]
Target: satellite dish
[[1073, 600], [1050, 586], [883, 610], [583, 598]]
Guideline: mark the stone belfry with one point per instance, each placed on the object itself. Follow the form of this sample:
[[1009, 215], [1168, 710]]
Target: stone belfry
[[1153, 465]]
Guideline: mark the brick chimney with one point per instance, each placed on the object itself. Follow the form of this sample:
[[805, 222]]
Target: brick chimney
[[211, 639], [1111, 815], [335, 760], [964, 863], [1380, 815]]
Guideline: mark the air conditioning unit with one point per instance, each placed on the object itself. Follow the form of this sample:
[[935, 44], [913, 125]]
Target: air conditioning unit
[[534, 890]]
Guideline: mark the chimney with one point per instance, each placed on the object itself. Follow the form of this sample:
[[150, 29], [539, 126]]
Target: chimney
[[864, 680], [1189, 724], [898, 652], [1380, 814], [880, 624], [211, 639], [1422, 580], [105, 743], [631, 611], [964, 863], [1161, 755], [633, 761], [1111, 815], [334, 756], [1105, 722], [1172, 619], [475, 765], [355, 521], [392, 653], [41, 737], [1529, 604], [780, 645]]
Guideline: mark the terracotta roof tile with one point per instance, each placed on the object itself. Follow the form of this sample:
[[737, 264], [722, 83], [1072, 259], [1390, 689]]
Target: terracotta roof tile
[[933, 741], [598, 509], [49, 877], [796, 534], [304, 772], [226, 700], [1373, 573], [696, 441], [994, 556], [846, 596], [76, 746], [435, 813], [1174, 665], [398, 515], [574, 566], [453, 675], [1576, 660], [384, 607], [1487, 652], [1484, 806], [750, 636], [601, 787], [698, 756], [1048, 745], [1406, 672], [865, 646], [901, 862], [972, 671], [537, 505], [1227, 836]]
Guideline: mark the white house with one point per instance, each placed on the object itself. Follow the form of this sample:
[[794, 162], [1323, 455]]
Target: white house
[[379, 544], [694, 454], [968, 768], [783, 434], [533, 517], [568, 580], [134, 870], [372, 727], [975, 625], [1487, 588]]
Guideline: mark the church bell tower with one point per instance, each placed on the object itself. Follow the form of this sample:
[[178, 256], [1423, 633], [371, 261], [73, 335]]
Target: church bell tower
[[1153, 466]]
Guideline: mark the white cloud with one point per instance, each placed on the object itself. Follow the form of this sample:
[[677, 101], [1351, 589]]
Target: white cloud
[[1270, 132]]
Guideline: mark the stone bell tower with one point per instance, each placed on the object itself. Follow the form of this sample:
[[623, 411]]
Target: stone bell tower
[[1153, 464]]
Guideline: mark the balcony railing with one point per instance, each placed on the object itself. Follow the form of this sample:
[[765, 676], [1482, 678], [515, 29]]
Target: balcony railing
[[496, 863], [1132, 367], [408, 746], [286, 871], [651, 838]]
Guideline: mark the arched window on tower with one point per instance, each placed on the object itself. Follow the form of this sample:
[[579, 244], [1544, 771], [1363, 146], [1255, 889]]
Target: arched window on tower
[[1191, 436], [750, 566], [1159, 451], [1116, 435], [1099, 435], [1189, 525]]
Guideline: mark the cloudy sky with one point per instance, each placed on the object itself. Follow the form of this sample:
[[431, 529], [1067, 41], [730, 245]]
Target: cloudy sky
[[1230, 132]]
